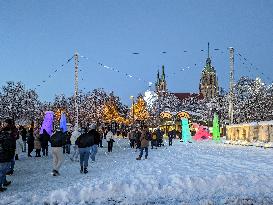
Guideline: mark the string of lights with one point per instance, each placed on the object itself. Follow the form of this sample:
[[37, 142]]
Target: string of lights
[[58, 68], [251, 67], [247, 64]]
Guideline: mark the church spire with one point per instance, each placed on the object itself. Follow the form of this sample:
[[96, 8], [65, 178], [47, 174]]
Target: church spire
[[157, 80], [163, 73], [208, 61], [208, 49]]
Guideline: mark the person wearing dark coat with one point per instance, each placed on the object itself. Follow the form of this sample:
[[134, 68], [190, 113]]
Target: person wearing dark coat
[[171, 136], [7, 152], [57, 141], [84, 142], [24, 138], [30, 141], [101, 132], [44, 137], [68, 142], [137, 139], [154, 140], [94, 148], [144, 139], [14, 136], [159, 136]]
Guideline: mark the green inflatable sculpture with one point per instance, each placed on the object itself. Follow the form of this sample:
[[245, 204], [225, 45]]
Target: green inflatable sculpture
[[216, 129]]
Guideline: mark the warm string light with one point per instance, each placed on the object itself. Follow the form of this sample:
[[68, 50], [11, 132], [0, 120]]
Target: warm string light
[[140, 110]]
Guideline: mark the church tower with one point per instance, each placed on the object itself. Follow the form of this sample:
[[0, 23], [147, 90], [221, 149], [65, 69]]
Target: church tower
[[208, 83], [161, 84]]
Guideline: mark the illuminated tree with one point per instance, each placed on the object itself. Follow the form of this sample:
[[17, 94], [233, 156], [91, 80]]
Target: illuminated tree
[[139, 110], [59, 106], [110, 112]]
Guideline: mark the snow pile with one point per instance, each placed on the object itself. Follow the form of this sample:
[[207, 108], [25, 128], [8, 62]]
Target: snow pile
[[198, 173]]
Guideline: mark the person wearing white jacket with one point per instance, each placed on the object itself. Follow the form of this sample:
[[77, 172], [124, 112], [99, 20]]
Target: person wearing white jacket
[[19, 147], [75, 134], [110, 140]]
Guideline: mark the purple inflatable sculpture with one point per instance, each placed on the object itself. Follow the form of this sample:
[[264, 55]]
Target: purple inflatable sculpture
[[48, 123]]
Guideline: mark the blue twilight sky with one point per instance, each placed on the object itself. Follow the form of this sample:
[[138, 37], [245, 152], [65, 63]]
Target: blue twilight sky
[[37, 36]]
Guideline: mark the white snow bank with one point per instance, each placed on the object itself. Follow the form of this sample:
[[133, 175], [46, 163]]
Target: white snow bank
[[198, 173]]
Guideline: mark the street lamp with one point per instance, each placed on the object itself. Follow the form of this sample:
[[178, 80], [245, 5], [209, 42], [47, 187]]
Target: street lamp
[[133, 102]]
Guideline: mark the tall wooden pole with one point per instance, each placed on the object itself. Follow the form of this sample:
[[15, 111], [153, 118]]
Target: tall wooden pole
[[76, 58], [231, 84]]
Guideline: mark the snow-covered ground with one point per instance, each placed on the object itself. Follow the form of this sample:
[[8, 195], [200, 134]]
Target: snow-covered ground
[[197, 173]]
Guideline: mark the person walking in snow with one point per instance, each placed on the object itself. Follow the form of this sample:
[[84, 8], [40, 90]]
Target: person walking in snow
[[144, 140], [96, 136], [131, 137], [159, 136], [19, 146], [101, 132], [171, 136], [75, 134], [44, 137], [24, 138], [137, 138], [110, 140], [84, 142], [154, 140], [37, 144], [68, 142], [30, 141], [57, 141], [7, 153], [14, 136]]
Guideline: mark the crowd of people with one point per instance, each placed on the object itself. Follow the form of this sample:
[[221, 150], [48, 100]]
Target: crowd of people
[[156, 137], [84, 143]]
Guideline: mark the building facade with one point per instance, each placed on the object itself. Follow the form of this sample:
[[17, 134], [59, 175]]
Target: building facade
[[208, 82]]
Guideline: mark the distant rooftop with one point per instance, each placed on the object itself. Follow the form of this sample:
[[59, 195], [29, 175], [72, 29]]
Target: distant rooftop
[[183, 96]]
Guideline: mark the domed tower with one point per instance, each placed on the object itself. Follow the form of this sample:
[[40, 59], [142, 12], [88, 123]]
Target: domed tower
[[208, 83]]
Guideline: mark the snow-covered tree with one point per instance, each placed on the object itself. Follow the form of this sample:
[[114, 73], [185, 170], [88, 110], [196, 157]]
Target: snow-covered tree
[[18, 103], [253, 101]]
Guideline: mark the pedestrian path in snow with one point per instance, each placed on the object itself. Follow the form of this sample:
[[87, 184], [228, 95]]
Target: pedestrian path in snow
[[196, 173]]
